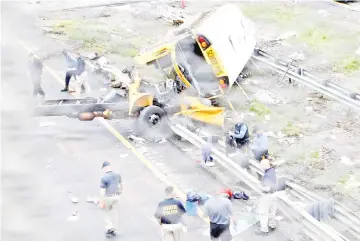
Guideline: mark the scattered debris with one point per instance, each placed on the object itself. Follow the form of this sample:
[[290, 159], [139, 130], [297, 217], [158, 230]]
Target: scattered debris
[[287, 35], [308, 109], [267, 117], [297, 56], [178, 22], [93, 200], [267, 97], [74, 216], [323, 13], [280, 134], [124, 155], [136, 139], [72, 198], [47, 124], [345, 160]]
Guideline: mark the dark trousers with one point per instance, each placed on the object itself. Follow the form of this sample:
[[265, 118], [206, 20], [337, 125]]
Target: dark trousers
[[220, 231], [259, 155], [68, 76]]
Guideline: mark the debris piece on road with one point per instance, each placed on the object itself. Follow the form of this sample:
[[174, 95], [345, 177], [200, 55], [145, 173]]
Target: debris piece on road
[[136, 139], [279, 218], [74, 216], [308, 109], [267, 97], [345, 160], [72, 198], [124, 155], [287, 35], [93, 200], [267, 117], [297, 56], [323, 13], [178, 22], [47, 124]]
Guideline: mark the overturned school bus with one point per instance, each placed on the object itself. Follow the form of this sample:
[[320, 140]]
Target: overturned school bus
[[207, 53], [195, 64]]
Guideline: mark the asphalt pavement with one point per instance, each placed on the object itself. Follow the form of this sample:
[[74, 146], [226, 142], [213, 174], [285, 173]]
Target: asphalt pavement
[[44, 159]]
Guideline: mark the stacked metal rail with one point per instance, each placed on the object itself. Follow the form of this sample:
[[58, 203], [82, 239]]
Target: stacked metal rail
[[313, 226], [326, 87]]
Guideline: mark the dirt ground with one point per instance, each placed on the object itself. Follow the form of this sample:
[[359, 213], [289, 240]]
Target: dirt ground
[[313, 139]]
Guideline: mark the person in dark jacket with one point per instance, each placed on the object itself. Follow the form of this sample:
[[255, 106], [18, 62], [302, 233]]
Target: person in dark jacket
[[169, 213], [35, 66], [240, 137], [70, 70], [81, 77], [269, 177]]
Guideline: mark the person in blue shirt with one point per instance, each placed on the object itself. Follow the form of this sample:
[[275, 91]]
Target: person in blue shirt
[[111, 186], [169, 213], [260, 144]]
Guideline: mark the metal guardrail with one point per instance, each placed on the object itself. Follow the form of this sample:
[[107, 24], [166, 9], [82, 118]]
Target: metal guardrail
[[315, 229], [347, 97]]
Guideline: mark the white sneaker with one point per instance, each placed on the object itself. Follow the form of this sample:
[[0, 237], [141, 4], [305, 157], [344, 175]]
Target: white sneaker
[[209, 164]]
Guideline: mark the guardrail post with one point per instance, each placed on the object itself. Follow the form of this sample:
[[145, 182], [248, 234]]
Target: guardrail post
[[323, 210]]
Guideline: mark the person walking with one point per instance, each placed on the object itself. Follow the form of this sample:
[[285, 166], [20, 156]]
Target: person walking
[[35, 66], [70, 70], [169, 213], [220, 211], [111, 186], [81, 76]]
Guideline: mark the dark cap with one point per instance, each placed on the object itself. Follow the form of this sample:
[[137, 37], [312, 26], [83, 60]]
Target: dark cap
[[105, 164]]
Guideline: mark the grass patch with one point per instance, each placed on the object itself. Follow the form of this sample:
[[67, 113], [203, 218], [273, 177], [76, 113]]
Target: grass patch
[[315, 154], [259, 108], [344, 179], [271, 12], [291, 130], [348, 65], [127, 51], [315, 38]]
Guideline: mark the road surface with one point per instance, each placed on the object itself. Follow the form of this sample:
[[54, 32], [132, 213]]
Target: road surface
[[45, 159]]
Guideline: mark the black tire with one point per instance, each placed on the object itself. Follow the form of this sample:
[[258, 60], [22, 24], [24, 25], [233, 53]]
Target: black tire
[[159, 127]]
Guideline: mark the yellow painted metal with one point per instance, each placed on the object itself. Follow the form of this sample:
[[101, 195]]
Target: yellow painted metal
[[137, 99], [178, 71], [194, 109], [213, 59]]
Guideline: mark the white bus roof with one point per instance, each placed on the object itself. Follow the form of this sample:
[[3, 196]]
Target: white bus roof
[[232, 37]]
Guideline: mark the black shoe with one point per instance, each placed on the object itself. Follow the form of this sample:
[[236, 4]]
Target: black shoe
[[65, 89], [110, 233]]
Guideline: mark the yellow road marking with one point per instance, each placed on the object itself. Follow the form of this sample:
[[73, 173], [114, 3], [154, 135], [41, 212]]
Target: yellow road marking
[[126, 143]]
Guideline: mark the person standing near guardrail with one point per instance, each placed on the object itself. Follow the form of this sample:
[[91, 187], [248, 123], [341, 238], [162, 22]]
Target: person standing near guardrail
[[111, 186], [220, 211], [260, 144], [70, 70], [169, 213], [81, 77], [206, 153], [267, 204]]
